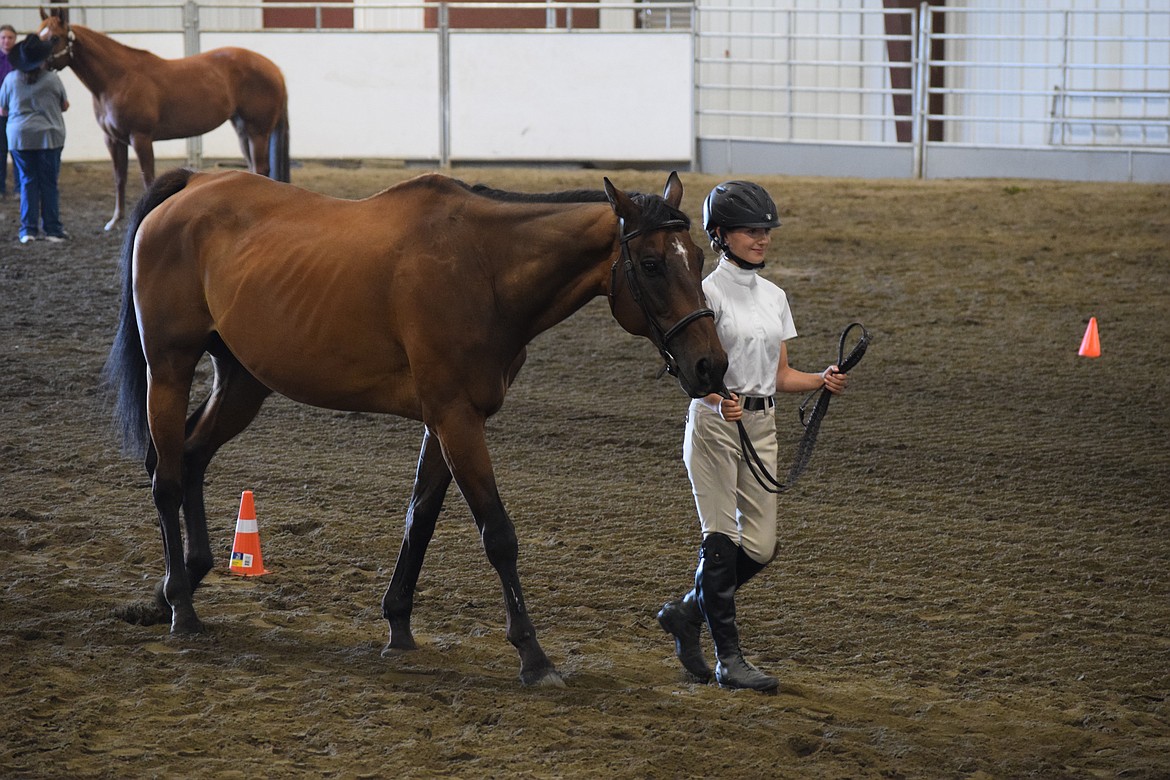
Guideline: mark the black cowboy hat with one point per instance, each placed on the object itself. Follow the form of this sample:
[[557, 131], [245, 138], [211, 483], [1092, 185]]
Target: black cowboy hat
[[30, 54]]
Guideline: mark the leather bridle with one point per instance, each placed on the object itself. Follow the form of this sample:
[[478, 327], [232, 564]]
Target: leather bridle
[[66, 52], [660, 337]]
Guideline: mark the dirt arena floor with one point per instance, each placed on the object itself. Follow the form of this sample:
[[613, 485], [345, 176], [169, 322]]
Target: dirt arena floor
[[975, 573]]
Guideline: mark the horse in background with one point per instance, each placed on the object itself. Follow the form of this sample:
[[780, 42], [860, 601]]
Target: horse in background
[[140, 98]]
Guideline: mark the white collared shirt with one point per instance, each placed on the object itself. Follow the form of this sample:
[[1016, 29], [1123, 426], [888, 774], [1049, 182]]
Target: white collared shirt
[[752, 319]]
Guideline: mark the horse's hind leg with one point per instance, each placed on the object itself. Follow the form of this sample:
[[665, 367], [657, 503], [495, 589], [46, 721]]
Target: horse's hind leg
[[431, 481], [234, 401], [253, 145], [168, 388]]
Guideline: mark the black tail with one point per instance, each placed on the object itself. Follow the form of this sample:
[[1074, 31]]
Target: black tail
[[278, 158], [124, 375]]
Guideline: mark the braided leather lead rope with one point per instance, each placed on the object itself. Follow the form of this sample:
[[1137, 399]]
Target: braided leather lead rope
[[812, 426]]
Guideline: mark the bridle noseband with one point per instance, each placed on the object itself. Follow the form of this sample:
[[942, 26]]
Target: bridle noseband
[[660, 337], [67, 51]]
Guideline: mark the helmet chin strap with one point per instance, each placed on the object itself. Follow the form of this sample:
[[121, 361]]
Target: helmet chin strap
[[744, 264], [726, 250]]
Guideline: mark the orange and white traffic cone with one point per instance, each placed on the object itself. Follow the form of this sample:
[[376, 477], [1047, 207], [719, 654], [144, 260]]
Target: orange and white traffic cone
[[246, 558], [1091, 343]]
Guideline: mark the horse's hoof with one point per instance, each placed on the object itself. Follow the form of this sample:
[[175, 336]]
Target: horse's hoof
[[399, 646], [548, 678], [186, 626], [187, 629]]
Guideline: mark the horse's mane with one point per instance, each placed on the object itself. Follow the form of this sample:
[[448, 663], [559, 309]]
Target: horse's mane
[[655, 209], [97, 35], [567, 196]]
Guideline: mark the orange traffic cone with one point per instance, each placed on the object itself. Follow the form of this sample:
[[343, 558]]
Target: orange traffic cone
[[246, 558], [1091, 343]]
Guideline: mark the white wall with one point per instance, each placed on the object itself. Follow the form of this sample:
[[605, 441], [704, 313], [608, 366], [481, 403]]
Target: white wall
[[514, 96], [350, 94], [586, 96]]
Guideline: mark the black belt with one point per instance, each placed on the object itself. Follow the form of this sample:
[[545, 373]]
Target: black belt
[[755, 403]]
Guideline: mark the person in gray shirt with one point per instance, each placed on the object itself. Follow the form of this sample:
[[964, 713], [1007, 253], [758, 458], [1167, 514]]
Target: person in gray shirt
[[34, 101]]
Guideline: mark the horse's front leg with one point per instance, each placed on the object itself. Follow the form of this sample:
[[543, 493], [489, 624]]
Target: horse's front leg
[[119, 153], [464, 445], [431, 481], [144, 150]]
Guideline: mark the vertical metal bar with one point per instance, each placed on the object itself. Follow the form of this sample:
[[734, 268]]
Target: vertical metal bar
[[920, 86], [444, 87], [190, 49], [1064, 78], [790, 36], [696, 76]]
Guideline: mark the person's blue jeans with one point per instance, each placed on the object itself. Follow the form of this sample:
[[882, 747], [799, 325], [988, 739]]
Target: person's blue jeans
[[40, 200], [4, 155]]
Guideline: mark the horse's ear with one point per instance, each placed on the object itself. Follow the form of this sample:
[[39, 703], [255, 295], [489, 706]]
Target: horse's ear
[[622, 205], [673, 192], [60, 13]]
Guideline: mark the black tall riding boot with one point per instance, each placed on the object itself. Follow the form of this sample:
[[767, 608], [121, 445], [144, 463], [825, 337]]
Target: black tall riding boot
[[684, 619], [715, 583], [746, 567]]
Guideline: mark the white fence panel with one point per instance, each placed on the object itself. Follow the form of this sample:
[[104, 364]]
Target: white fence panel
[[1061, 77], [350, 94], [585, 96]]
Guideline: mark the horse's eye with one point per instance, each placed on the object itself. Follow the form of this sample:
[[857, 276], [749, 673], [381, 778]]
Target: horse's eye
[[652, 266]]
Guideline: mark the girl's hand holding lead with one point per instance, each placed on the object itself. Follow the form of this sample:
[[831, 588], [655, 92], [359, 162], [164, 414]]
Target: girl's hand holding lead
[[727, 408], [835, 381]]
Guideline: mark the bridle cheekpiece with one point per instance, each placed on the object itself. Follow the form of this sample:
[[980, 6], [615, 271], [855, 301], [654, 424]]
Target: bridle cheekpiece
[[660, 337], [66, 52]]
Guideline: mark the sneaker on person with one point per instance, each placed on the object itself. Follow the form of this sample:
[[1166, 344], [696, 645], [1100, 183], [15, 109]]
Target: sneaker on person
[[27, 238], [57, 238]]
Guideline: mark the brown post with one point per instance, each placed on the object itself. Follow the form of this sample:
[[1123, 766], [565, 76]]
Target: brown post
[[902, 66]]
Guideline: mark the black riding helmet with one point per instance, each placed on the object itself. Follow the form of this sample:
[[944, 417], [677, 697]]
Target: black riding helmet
[[738, 204]]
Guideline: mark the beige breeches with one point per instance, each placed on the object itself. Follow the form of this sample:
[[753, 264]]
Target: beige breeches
[[728, 498]]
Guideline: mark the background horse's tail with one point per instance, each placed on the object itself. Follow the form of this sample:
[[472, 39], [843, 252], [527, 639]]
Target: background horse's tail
[[124, 375], [278, 159]]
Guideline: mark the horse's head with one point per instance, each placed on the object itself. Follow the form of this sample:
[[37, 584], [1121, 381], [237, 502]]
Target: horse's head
[[55, 29], [655, 286]]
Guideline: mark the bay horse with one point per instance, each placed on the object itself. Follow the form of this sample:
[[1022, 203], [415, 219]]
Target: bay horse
[[140, 98], [418, 301]]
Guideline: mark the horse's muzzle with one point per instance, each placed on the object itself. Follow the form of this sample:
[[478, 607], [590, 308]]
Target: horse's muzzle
[[704, 377]]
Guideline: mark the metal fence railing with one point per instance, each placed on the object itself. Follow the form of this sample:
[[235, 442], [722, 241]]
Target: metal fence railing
[[1033, 76], [1038, 75]]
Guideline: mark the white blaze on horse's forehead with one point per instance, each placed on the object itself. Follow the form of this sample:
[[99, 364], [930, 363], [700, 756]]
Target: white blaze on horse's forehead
[[680, 248]]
